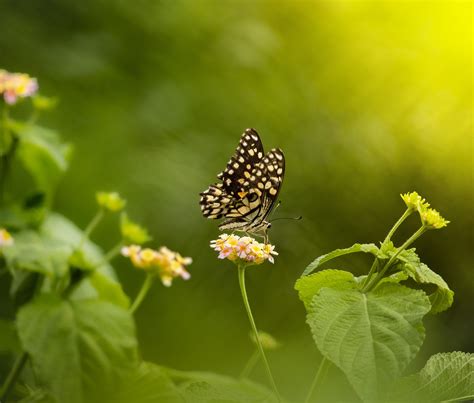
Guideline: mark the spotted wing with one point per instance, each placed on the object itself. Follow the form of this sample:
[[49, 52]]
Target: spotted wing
[[248, 154], [250, 186], [259, 194]]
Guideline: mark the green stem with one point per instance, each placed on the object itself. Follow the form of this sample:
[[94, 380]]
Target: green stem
[[111, 254], [387, 265], [90, 227], [397, 224], [6, 153], [241, 271], [142, 293], [459, 399], [323, 365], [372, 270], [13, 376], [252, 361]]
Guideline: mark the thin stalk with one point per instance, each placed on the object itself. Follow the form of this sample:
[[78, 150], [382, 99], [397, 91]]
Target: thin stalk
[[114, 251], [252, 361], [5, 158], [407, 243], [142, 293], [323, 365], [241, 271], [386, 240], [13, 376], [397, 224], [372, 270], [90, 227], [459, 399]]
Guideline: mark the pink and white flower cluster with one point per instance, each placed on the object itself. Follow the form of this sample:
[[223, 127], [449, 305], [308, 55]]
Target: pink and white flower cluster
[[163, 262], [16, 85], [244, 249]]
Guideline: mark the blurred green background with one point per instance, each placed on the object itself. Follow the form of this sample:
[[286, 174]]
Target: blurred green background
[[367, 99]]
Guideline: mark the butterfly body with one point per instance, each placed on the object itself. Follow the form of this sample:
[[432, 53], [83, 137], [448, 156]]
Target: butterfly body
[[248, 187]]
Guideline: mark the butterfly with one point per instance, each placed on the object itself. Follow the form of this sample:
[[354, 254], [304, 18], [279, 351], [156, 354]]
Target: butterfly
[[248, 187]]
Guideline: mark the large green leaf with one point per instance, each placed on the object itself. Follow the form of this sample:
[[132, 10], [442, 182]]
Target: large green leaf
[[308, 286], [206, 387], [100, 286], [371, 337], [445, 377], [34, 253], [442, 298], [43, 155], [59, 228], [149, 383], [365, 247], [79, 349]]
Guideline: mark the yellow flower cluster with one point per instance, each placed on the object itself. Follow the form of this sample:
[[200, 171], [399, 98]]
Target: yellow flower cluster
[[16, 85], [5, 238], [163, 262], [243, 249], [110, 201], [430, 218]]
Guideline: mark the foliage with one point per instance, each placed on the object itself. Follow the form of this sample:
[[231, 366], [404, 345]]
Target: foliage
[[74, 323], [371, 326]]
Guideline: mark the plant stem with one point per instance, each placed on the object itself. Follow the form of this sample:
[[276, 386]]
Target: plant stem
[[90, 227], [397, 224], [252, 361], [241, 271], [407, 243], [114, 251], [6, 154], [372, 270], [13, 376], [323, 365], [142, 293]]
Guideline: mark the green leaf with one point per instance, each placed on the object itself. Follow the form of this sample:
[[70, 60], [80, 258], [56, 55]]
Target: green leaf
[[442, 298], [34, 253], [149, 383], [445, 377], [99, 286], [59, 228], [309, 286], [43, 155], [79, 349], [371, 337], [366, 248], [206, 387]]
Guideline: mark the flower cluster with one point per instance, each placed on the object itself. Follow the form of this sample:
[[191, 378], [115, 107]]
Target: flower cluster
[[110, 201], [16, 85], [430, 218], [163, 262], [5, 238], [132, 232], [243, 249]]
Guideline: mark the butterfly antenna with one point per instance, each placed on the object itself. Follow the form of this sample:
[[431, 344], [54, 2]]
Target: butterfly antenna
[[288, 218]]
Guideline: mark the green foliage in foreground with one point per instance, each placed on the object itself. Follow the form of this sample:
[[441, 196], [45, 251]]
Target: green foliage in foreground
[[74, 324], [371, 326]]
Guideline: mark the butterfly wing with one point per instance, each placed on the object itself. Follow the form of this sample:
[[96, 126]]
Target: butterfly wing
[[247, 154], [260, 194], [250, 186]]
